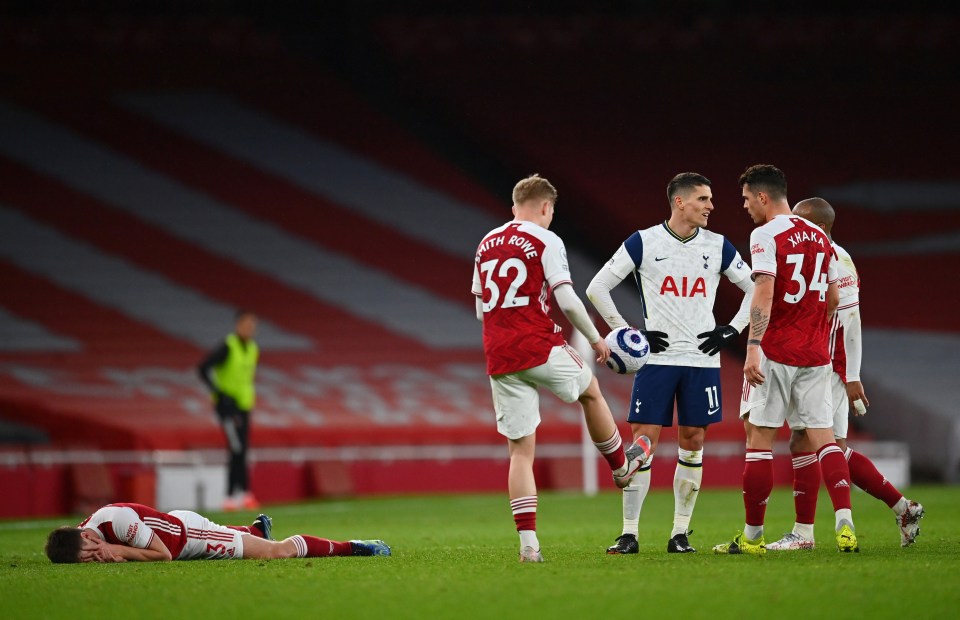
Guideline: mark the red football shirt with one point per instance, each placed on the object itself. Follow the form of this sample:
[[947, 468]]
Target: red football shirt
[[799, 256], [517, 267], [135, 525]]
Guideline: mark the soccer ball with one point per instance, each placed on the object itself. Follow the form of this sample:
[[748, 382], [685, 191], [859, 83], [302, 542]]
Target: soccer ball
[[629, 350]]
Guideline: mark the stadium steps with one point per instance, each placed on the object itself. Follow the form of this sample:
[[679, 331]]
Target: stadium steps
[[154, 250]]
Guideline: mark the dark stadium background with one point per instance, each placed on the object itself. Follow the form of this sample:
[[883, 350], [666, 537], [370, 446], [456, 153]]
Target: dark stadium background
[[450, 106]]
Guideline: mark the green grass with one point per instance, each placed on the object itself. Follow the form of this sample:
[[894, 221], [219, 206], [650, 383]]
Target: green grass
[[455, 557]]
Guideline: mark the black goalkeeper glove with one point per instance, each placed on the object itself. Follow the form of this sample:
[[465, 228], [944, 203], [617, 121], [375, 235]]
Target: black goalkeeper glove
[[719, 337], [658, 341]]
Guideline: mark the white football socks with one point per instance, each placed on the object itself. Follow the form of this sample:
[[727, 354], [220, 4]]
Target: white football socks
[[633, 497], [844, 515], [752, 532], [804, 530], [901, 506], [686, 488], [528, 538]]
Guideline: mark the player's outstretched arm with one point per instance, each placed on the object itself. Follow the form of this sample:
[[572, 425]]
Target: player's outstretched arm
[[576, 313]]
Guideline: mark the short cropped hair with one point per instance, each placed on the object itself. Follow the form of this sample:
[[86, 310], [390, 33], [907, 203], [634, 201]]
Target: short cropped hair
[[683, 182], [534, 187], [63, 545], [765, 178], [243, 313]]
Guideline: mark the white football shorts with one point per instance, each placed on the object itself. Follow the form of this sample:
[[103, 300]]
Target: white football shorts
[[841, 406], [516, 399], [798, 395], [207, 540]]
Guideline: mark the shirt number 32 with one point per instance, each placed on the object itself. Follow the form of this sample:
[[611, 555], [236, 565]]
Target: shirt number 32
[[513, 266]]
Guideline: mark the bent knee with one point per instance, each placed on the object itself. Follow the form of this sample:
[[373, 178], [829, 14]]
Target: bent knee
[[592, 392], [692, 437]]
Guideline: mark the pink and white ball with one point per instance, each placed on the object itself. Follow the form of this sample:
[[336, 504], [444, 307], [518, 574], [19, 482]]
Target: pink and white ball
[[629, 350]]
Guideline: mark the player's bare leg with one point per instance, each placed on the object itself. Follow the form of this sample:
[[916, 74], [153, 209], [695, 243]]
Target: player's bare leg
[[606, 437], [597, 413], [651, 431], [522, 487], [686, 485], [301, 546]]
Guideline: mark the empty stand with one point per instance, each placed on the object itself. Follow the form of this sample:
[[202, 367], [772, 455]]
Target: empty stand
[[141, 205]]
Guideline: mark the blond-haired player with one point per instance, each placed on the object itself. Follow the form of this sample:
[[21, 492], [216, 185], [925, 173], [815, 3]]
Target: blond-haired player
[[519, 266]]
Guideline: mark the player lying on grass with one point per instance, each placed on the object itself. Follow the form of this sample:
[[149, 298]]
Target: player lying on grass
[[138, 533]]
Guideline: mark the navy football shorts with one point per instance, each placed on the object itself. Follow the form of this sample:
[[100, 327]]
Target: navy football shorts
[[696, 392]]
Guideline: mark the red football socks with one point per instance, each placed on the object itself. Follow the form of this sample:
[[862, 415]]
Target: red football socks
[[757, 484], [806, 485], [865, 475], [525, 512], [612, 451], [313, 547], [836, 475]]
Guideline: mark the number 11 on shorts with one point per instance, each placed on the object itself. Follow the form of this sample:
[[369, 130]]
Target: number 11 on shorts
[[713, 402]]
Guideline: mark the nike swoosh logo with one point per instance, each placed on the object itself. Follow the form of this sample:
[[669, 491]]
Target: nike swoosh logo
[[712, 411], [658, 259]]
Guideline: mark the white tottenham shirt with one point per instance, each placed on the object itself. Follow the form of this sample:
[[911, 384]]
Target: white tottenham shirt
[[677, 279]]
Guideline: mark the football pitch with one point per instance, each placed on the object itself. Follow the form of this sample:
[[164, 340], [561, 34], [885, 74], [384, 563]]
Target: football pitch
[[456, 557]]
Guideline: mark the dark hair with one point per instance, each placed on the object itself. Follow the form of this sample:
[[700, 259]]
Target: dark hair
[[683, 182], [63, 545], [242, 312], [765, 178]]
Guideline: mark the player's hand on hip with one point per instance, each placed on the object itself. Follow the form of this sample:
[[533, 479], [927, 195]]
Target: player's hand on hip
[[658, 340], [855, 393], [717, 338], [751, 368], [601, 349]]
